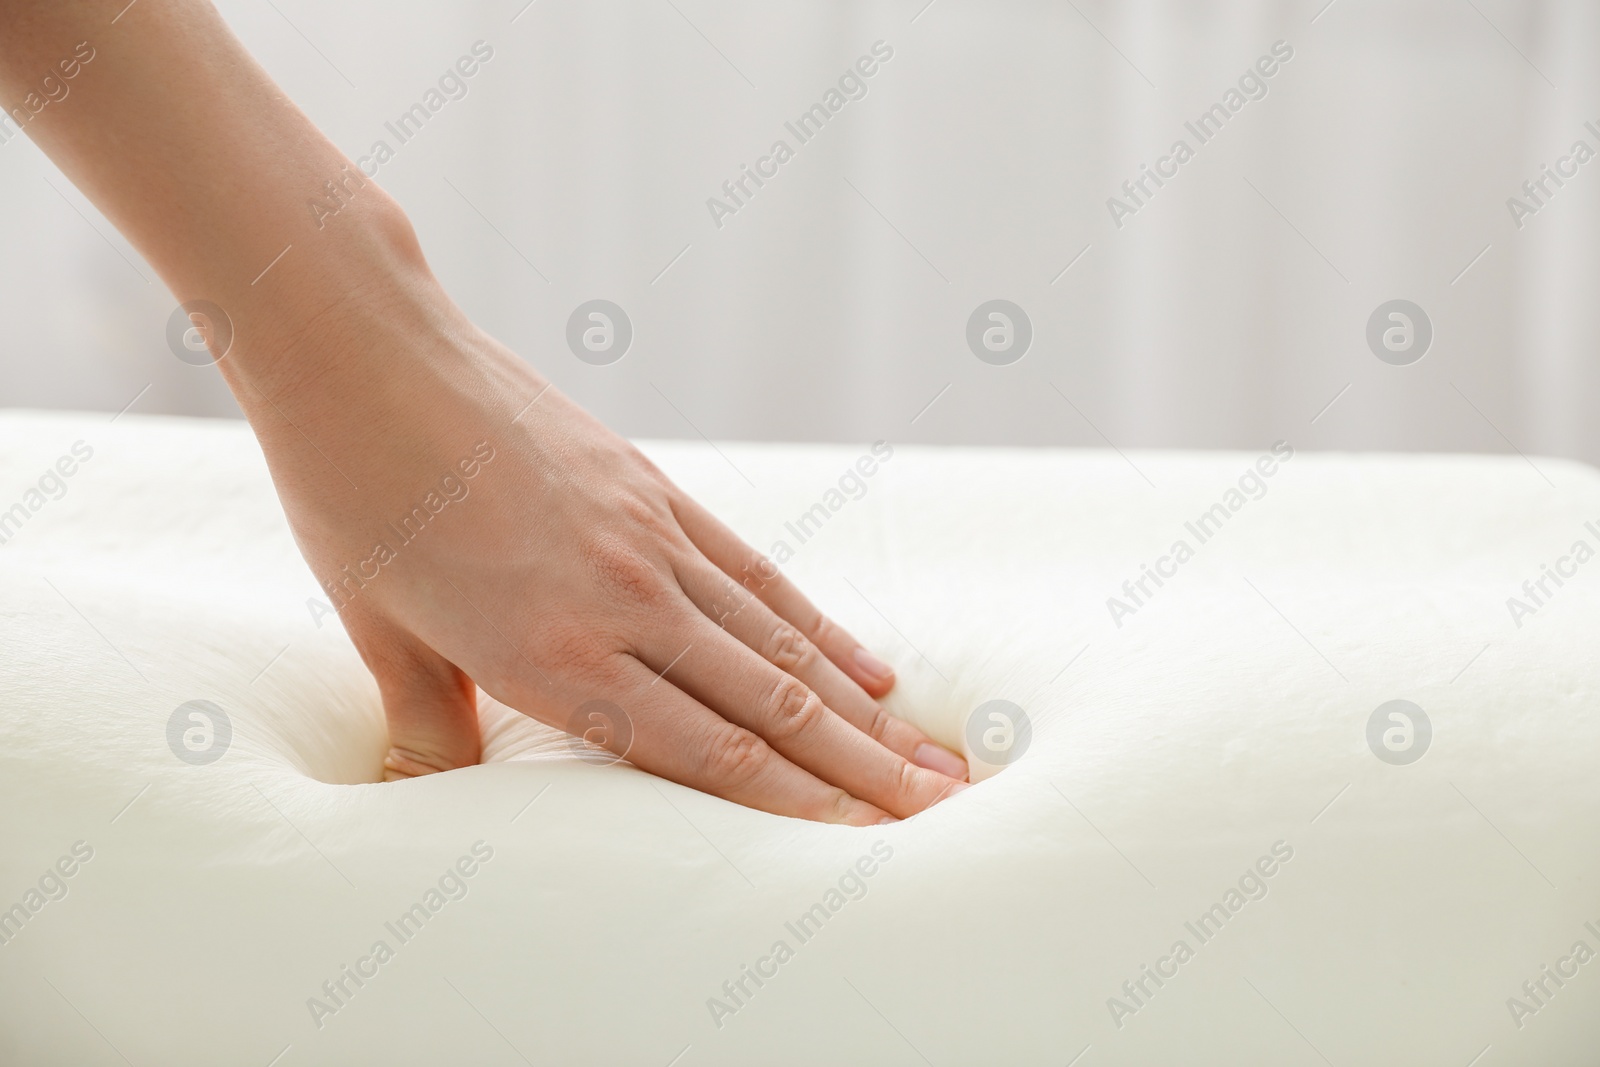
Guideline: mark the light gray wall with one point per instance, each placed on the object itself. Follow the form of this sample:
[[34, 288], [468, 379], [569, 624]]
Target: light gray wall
[[1227, 312]]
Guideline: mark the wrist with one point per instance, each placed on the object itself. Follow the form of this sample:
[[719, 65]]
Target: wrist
[[361, 341], [327, 295]]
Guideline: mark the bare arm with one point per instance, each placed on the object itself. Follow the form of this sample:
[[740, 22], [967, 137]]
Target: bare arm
[[546, 560]]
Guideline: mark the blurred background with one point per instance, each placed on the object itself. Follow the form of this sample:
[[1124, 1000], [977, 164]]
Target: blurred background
[[1229, 309]]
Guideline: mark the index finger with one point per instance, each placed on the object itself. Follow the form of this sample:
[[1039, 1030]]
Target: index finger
[[762, 578], [675, 736]]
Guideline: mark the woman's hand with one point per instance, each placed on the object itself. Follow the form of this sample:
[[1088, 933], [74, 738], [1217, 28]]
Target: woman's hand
[[473, 525]]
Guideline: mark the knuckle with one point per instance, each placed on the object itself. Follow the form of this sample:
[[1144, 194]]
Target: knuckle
[[878, 722], [727, 601], [824, 630], [757, 570], [839, 807], [787, 649], [644, 511], [645, 463], [909, 780], [624, 572], [795, 710], [735, 758]]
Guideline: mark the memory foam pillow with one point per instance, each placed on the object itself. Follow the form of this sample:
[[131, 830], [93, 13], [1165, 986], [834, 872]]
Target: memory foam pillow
[[1204, 830]]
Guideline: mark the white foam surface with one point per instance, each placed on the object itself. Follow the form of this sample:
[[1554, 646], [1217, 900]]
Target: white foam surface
[[1220, 729]]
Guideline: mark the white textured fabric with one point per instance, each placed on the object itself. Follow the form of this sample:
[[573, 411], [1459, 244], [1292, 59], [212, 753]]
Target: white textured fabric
[[596, 913]]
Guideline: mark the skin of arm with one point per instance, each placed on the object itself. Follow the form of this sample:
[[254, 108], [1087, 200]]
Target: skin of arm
[[570, 569]]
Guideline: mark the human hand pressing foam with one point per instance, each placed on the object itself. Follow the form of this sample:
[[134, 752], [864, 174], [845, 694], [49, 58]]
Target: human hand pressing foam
[[571, 569], [558, 565]]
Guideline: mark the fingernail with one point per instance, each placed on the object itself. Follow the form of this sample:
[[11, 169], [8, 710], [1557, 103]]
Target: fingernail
[[939, 759], [872, 666], [953, 790], [888, 820]]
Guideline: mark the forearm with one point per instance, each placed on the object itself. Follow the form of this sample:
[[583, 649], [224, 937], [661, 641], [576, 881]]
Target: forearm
[[580, 576], [229, 191]]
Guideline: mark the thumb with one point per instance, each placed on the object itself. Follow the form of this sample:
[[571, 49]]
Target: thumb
[[429, 702]]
